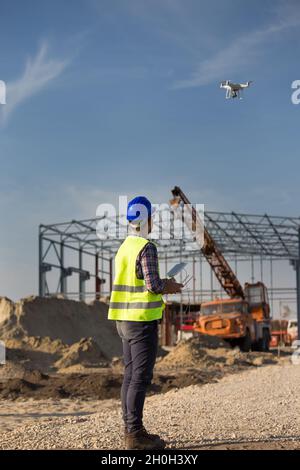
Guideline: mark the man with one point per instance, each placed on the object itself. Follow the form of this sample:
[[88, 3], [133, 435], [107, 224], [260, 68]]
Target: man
[[136, 304]]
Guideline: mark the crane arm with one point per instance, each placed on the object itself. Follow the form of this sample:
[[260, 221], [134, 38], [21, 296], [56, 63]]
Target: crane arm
[[211, 252]]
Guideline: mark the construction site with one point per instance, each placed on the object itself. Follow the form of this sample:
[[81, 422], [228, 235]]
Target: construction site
[[64, 357], [150, 228]]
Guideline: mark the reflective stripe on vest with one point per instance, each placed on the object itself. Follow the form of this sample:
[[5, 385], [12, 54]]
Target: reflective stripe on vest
[[135, 305], [130, 300], [123, 288]]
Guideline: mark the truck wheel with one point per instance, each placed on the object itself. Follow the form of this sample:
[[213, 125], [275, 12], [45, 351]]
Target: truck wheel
[[263, 343], [245, 343], [232, 343]]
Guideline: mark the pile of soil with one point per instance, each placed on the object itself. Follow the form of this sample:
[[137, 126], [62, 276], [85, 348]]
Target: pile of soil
[[187, 364], [86, 353], [98, 386], [51, 356], [16, 370], [43, 344], [58, 348], [59, 319], [94, 386], [107, 383], [34, 352], [56, 334], [208, 352]]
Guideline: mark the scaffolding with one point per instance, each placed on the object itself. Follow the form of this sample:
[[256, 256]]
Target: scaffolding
[[72, 250]]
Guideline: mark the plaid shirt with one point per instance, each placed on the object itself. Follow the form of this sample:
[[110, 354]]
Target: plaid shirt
[[147, 269]]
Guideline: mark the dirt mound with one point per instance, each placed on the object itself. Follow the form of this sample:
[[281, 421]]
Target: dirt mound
[[192, 352], [6, 309], [58, 319], [106, 383], [46, 344], [38, 386], [202, 352], [35, 352], [86, 353], [257, 359], [51, 356], [14, 371], [188, 353], [11, 370]]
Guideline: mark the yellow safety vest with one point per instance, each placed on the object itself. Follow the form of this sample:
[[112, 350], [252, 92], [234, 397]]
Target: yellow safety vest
[[130, 300]]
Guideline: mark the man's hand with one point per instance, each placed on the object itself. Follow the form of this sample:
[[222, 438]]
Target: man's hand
[[172, 287]]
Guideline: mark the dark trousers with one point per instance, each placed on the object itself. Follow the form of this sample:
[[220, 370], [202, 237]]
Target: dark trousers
[[140, 340]]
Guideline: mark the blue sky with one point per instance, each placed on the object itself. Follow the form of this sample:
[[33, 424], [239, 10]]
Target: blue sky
[[122, 97]]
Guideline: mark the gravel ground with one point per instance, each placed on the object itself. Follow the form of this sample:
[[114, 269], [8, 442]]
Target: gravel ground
[[18, 413], [258, 406]]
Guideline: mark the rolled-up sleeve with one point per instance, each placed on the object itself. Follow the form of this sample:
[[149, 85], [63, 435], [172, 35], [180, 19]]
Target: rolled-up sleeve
[[147, 269]]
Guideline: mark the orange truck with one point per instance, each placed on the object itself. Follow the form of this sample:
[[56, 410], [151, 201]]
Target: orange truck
[[243, 322], [244, 318]]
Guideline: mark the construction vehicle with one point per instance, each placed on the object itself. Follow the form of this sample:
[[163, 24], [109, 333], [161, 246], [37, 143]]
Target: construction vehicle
[[244, 318], [279, 334]]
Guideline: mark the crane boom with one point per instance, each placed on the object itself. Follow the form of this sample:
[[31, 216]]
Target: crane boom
[[213, 255]]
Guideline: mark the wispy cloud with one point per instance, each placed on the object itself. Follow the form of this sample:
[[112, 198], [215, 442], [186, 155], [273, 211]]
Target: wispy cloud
[[39, 72], [241, 51]]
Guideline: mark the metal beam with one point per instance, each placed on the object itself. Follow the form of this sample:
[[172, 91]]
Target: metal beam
[[239, 236]]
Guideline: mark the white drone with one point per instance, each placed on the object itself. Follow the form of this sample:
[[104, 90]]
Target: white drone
[[234, 90]]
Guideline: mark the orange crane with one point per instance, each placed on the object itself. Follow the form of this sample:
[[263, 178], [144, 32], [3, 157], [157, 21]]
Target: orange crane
[[244, 318]]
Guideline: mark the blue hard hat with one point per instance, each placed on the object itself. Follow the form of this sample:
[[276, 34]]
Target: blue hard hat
[[139, 209]]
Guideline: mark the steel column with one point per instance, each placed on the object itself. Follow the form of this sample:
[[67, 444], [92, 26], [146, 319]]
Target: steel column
[[97, 279], [63, 277], [194, 280], [42, 274], [81, 278], [110, 274], [298, 284]]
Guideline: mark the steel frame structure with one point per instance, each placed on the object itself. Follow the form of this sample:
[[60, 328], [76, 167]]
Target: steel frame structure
[[239, 236]]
